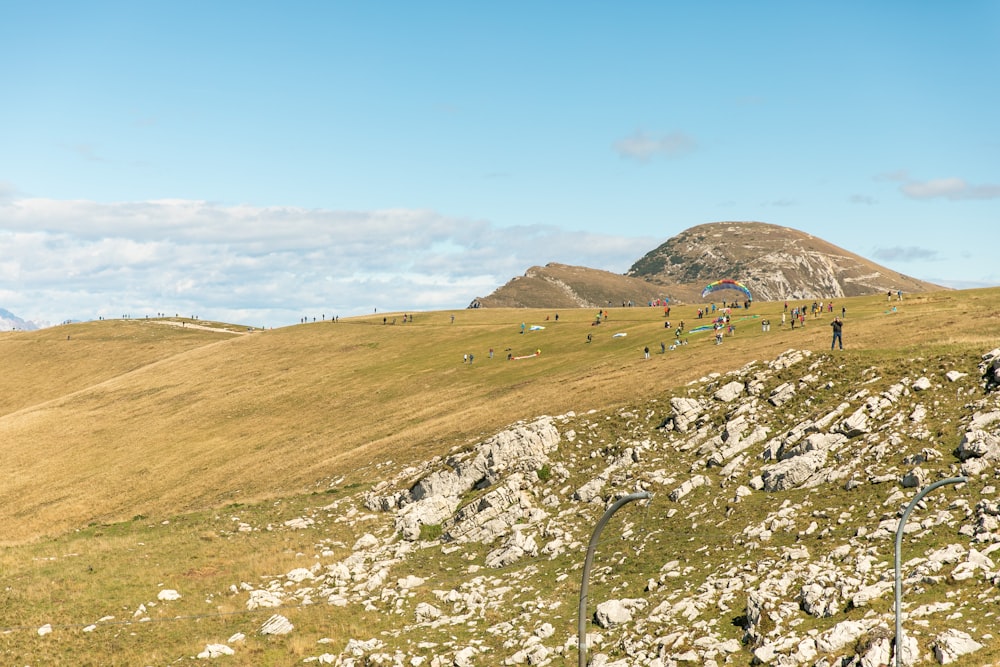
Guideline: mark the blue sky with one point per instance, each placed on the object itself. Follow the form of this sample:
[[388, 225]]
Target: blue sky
[[261, 162]]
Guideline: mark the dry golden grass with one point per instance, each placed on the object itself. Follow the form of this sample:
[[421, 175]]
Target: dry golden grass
[[107, 420], [128, 469]]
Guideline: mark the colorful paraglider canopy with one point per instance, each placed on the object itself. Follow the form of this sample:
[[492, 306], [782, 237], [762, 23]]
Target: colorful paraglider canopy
[[726, 284]]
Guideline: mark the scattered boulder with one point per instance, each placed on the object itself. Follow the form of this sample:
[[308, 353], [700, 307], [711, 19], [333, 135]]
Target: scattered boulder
[[781, 394], [611, 614], [215, 651], [792, 472], [276, 625], [952, 645], [729, 392], [686, 411]]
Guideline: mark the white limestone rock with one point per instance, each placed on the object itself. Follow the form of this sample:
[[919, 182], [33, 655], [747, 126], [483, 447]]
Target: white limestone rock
[[729, 392], [792, 472], [612, 613], [299, 574], [865, 595], [276, 625], [366, 541], [855, 425], [983, 420], [685, 412], [410, 581], [590, 490], [878, 654], [215, 651], [262, 599], [688, 486], [820, 601], [783, 393], [916, 478], [840, 635], [493, 515], [431, 511], [299, 523], [516, 546], [952, 645], [978, 443], [466, 657]]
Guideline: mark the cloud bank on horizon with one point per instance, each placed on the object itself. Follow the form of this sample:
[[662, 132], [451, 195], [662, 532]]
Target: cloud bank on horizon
[[264, 266], [273, 266], [262, 163]]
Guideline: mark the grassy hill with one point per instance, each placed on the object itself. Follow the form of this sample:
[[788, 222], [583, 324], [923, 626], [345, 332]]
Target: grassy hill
[[774, 262], [569, 287], [132, 448]]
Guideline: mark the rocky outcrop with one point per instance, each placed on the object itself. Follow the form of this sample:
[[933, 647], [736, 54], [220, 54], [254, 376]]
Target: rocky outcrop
[[777, 492], [990, 369], [435, 497]]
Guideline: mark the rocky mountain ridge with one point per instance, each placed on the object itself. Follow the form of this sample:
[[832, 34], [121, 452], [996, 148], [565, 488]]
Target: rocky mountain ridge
[[11, 322], [777, 490], [776, 263]]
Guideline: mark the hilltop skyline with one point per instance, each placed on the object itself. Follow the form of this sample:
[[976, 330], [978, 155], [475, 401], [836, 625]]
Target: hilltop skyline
[[259, 164]]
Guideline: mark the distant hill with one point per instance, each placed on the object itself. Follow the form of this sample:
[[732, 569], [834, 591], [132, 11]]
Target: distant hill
[[774, 262], [564, 286], [11, 322]]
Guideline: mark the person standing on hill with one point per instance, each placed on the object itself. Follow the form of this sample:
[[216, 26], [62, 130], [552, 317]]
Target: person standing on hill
[[837, 330]]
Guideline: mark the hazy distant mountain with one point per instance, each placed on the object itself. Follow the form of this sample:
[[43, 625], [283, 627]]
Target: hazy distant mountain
[[774, 262], [11, 322]]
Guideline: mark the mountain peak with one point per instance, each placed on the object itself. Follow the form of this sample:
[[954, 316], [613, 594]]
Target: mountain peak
[[774, 262], [11, 322]]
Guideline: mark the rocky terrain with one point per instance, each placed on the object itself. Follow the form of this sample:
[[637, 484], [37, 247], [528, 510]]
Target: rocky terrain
[[777, 489], [776, 263]]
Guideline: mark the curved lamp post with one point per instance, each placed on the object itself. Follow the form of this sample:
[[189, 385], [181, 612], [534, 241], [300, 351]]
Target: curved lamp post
[[899, 544], [591, 548]]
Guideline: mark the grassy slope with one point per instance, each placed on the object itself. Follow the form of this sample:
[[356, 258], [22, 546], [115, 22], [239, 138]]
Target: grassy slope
[[134, 417], [156, 423]]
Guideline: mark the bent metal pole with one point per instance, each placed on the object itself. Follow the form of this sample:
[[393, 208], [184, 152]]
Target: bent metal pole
[[591, 548], [898, 649]]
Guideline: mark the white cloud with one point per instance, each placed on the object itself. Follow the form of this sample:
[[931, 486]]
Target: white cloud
[[949, 188], [266, 266], [863, 199], [643, 147], [899, 176], [905, 254], [85, 151]]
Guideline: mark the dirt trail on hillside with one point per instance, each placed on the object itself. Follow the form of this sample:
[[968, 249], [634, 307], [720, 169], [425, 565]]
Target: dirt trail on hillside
[[189, 325]]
